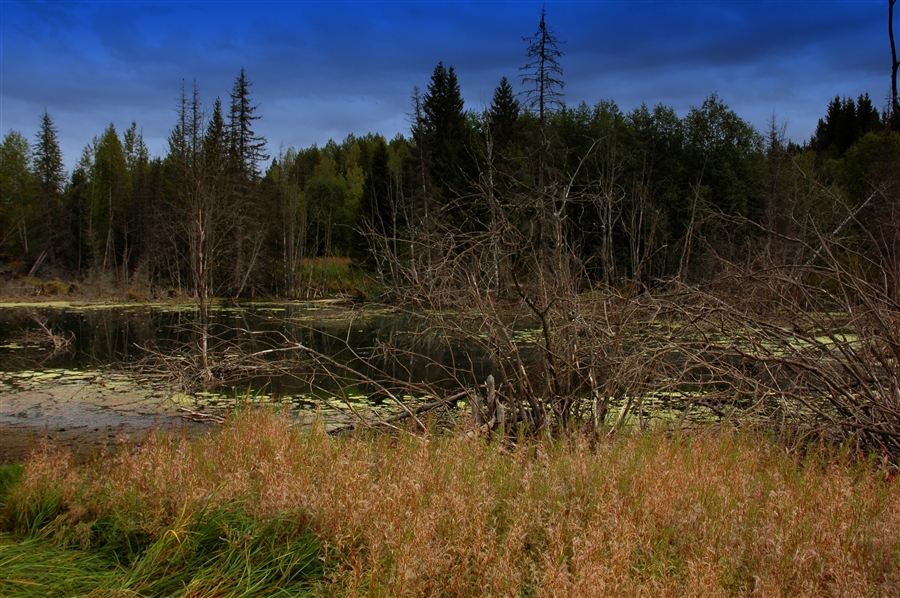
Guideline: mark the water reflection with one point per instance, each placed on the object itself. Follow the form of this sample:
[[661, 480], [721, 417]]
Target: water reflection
[[382, 344]]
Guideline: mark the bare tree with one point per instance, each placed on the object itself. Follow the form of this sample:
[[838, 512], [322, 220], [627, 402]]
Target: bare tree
[[895, 64], [543, 77]]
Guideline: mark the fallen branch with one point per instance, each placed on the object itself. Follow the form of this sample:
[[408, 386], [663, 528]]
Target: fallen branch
[[205, 418]]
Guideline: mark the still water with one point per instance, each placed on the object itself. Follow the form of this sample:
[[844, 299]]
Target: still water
[[406, 352]]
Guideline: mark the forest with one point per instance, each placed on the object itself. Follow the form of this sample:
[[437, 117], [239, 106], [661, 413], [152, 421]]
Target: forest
[[527, 189]]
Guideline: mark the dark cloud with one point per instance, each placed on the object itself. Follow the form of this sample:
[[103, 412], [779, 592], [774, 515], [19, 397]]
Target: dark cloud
[[326, 69]]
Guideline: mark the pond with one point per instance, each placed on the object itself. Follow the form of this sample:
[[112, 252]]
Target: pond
[[81, 355], [111, 367]]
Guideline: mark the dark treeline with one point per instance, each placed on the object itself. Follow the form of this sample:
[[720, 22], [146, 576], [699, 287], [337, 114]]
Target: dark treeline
[[529, 188]]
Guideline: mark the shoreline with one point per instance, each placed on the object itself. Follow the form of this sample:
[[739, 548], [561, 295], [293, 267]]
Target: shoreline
[[85, 442], [85, 414]]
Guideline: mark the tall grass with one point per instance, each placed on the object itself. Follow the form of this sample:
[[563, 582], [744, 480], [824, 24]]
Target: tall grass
[[223, 553], [335, 276], [714, 513]]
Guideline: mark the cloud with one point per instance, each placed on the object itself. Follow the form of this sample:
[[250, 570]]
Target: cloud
[[326, 69]]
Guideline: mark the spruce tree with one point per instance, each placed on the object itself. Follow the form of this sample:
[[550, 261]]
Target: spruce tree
[[50, 175], [48, 158], [246, 153], [215, 145], [137, 158], [503, 116], [246, 148], [543, 73], [867, 117], [16, 196], [444, 133], [109, 231], [542, 77], [376, 209]]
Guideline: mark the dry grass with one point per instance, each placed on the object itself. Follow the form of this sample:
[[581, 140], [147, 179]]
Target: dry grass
[[707, 514]]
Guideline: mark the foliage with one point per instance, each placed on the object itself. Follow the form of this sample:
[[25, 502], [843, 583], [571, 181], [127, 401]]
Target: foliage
[[16, 196], [503, 118], [50, 175], [246, 148], [844, 124]]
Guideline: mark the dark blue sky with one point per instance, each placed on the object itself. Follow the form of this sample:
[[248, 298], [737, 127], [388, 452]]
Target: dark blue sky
[[323, 70]]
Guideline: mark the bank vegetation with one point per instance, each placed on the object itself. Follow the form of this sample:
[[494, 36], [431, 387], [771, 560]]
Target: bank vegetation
[[264, 504]]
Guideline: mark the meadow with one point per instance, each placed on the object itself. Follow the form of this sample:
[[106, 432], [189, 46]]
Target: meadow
[[263, 507]]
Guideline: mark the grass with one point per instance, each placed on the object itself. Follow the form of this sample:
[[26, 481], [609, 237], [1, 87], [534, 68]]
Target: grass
[[223, 553], [263, 505], [35, 568], [336, 276], [54, 547]]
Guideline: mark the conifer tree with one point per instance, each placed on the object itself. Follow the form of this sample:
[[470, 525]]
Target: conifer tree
[[503, 116], [444, 133], [16, 194], [247, 149], [50, 175], [246, 153], [215, 144], [48, 158], [78, 207], [137, 158], [111, 187], [376, 215], [542, 76], [844, 124]]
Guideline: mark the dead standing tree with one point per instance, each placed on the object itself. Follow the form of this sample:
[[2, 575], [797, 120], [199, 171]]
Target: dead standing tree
[[895, 64], [542, 77]]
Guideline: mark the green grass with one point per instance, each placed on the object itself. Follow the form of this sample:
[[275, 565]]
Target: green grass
[[219, 553], [49, 549], [337, 276], [10, 474], [36, 567]]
